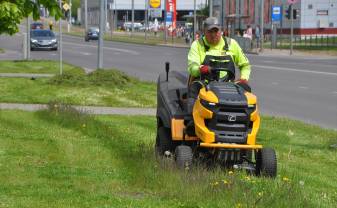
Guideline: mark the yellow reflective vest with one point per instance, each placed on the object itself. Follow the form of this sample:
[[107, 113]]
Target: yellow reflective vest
[[198, 52]]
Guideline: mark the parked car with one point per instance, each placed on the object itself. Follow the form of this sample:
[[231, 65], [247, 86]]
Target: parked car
[[36, 25], [92, 34], [43, 39], [127, 26]]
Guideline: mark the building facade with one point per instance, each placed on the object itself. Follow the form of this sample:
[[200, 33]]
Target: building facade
[[313, 16]]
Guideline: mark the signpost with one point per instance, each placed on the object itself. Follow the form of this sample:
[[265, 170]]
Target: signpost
[[276, 16], [291, 2]]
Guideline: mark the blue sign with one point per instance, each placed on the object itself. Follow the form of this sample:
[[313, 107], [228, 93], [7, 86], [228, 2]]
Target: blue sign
[[169, 17], [276, 13]]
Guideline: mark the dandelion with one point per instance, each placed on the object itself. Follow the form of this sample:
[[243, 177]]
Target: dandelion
[[83, 125], [260, 194], [285, 179], [230, 172], [247, 178], [215, 183], [238, 205], [301, 183], [225, 182]]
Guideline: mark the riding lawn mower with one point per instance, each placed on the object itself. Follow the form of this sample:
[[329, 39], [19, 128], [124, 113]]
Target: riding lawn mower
[[225, 124]]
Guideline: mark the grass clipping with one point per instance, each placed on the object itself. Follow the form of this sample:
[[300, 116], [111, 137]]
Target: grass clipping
[[102, 77]]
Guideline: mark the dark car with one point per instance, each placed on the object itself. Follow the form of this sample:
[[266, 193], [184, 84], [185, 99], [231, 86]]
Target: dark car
[[36, 25], [43, 39], [92, 34]]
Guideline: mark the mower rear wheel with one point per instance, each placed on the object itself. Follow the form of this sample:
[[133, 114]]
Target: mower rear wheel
[[266, 163], [163, 141], [184, 156]]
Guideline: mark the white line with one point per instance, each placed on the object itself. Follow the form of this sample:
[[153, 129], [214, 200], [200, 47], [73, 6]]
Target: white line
[[86, 54], [302, 87], [112, 49], [294, 70]]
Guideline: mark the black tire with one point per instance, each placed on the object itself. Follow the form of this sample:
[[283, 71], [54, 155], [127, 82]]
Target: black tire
[[184, 156], [163, 141], [266, 163]]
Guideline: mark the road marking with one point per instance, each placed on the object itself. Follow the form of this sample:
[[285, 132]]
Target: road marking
[[294, 70], [302, 87], [106, 48], [86, 54], [335, 92]]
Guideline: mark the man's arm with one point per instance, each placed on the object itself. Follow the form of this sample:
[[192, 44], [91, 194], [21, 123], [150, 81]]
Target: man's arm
[[193, 60], [240, 60]]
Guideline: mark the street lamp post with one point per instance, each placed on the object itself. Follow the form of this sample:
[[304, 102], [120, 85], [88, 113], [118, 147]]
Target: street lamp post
[[101, 33]]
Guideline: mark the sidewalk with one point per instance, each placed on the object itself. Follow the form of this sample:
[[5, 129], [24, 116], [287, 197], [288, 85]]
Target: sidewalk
[[95, 110]]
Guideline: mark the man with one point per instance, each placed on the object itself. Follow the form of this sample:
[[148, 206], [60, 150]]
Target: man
[[209, 47]]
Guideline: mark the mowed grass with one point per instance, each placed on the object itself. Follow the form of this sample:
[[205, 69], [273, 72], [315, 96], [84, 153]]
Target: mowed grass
[[36, 66], [63, 158], [100, 88]]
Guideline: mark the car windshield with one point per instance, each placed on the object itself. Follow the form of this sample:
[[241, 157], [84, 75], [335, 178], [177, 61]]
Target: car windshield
[[93, 30], [42, 33]]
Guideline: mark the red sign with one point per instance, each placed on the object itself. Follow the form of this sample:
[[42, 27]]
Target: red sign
[[171, 7]]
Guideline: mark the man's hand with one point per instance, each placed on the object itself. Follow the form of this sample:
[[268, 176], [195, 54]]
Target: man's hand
[[242, 81], [204, 69], [244, 84]]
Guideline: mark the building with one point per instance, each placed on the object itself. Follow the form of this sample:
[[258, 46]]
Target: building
[[122, 10], [312, 16]]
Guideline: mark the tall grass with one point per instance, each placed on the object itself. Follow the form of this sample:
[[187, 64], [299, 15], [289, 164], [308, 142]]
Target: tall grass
[[65, 158]]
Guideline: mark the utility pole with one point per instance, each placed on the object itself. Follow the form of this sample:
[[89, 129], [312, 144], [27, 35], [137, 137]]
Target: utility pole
[[262, 22], [145, 18], [194, 19], [101, 33], [28, 39], [70, 4], [210, 4], [60, 41], [291, 28], [85, 16], [132, 17], [165, 20]]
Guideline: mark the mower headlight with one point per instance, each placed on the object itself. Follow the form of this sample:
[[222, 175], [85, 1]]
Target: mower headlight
[[208, 105], [251, 108]]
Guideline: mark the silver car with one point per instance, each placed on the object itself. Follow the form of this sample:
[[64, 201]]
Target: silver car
[[43, 39]]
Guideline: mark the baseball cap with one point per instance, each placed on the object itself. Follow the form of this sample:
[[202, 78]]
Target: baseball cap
[[211, 22]]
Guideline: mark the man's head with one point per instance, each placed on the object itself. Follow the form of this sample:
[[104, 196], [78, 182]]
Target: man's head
[[212, 30]]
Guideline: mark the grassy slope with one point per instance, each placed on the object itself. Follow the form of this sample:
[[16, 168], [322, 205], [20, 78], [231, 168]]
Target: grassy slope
[[36, 66], [60, 160], [102, 88]]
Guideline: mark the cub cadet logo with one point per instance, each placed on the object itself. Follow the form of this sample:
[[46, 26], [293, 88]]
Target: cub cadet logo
[[154, 3], [231, 118]]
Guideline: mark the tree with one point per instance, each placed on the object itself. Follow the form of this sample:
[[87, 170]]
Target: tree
[[13, 11]]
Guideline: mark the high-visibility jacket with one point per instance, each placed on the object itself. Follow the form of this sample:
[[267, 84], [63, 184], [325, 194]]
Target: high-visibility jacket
[[200, 48]]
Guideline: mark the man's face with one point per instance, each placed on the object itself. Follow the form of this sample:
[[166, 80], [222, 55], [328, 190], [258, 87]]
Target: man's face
[[213, 36]]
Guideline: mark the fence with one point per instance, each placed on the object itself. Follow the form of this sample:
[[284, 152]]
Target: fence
[[304, 41]]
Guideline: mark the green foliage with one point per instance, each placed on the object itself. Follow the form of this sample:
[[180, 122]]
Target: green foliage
[[113, 78], [12, 12]]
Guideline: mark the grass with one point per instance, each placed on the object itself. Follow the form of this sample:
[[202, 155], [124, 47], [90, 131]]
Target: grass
[[100, 88], [63, 158], [36, 66], [2, 50]]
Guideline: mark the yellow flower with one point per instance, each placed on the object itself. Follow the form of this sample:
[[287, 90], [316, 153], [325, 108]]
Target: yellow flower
[[230, 172], [238, 205], [285, 179], [260, 193], [83, 125], [247, 178], [225, 182]]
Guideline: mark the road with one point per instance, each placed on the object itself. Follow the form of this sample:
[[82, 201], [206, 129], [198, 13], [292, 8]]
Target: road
[[299, 87]]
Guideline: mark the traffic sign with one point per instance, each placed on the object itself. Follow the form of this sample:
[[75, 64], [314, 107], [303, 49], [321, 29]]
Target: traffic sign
[[66, 7], [292, 1], [276, 13]]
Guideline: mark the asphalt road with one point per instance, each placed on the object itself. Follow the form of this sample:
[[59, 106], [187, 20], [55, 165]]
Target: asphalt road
[[299, 87]]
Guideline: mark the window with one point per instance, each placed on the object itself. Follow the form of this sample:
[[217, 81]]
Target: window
[[309, 6], [323, 12], [331, 24]]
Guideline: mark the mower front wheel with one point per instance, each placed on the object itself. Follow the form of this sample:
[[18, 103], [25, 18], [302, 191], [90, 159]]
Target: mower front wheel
[[184, 156], [266, 163]]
